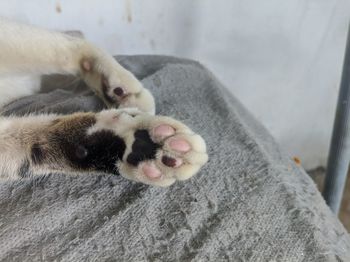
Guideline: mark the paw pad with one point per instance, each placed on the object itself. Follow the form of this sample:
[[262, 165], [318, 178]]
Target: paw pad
[[151, 171], [164, 131], [180, 145], [171, 162], [119, 91], [86, 65]]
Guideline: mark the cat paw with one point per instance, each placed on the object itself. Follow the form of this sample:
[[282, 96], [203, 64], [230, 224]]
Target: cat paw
[[159, 150], [115, 85]]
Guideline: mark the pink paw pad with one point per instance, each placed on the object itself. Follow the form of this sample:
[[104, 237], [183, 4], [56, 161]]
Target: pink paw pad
[[151, 171], [164, 131], [180, 145], [86, 65]]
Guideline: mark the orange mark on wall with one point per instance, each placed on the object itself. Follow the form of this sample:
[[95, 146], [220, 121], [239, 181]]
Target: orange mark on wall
[[128, 11], [58, 8], [297, 160]]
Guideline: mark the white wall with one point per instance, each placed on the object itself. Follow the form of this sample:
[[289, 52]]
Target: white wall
[[282, 59]]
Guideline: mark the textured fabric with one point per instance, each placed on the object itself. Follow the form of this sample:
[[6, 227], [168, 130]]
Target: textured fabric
[[249, 203]]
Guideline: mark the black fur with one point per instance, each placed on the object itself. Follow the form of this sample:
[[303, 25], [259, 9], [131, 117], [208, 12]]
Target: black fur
[[37, 155], [99, 151], [66, 142], [24, 170]]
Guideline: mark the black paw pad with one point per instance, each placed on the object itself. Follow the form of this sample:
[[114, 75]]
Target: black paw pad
[[168, 161], [143, 148], [118, 91]]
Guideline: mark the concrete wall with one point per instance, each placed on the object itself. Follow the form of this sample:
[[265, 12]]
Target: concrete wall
[[282, 59]]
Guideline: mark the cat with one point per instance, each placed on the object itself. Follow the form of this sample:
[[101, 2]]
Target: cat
[[127, 139]]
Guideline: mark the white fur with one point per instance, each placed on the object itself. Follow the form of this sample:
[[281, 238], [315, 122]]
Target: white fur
[[15, 134], [13, 86], [27, 52]]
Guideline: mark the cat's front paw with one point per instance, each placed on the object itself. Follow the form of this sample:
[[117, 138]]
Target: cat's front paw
[[116, 86], [159, 150], [154, 150]]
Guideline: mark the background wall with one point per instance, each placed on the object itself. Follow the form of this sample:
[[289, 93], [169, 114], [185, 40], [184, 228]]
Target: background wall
[[282, 59]]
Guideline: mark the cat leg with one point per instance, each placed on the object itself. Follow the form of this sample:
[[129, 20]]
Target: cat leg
[[27, 50], [154, 150]]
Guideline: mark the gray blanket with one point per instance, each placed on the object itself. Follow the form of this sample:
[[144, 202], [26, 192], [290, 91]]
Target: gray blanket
[[249, 203]]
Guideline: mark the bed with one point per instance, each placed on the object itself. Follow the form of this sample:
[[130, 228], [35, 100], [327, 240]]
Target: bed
[[250, 202]]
